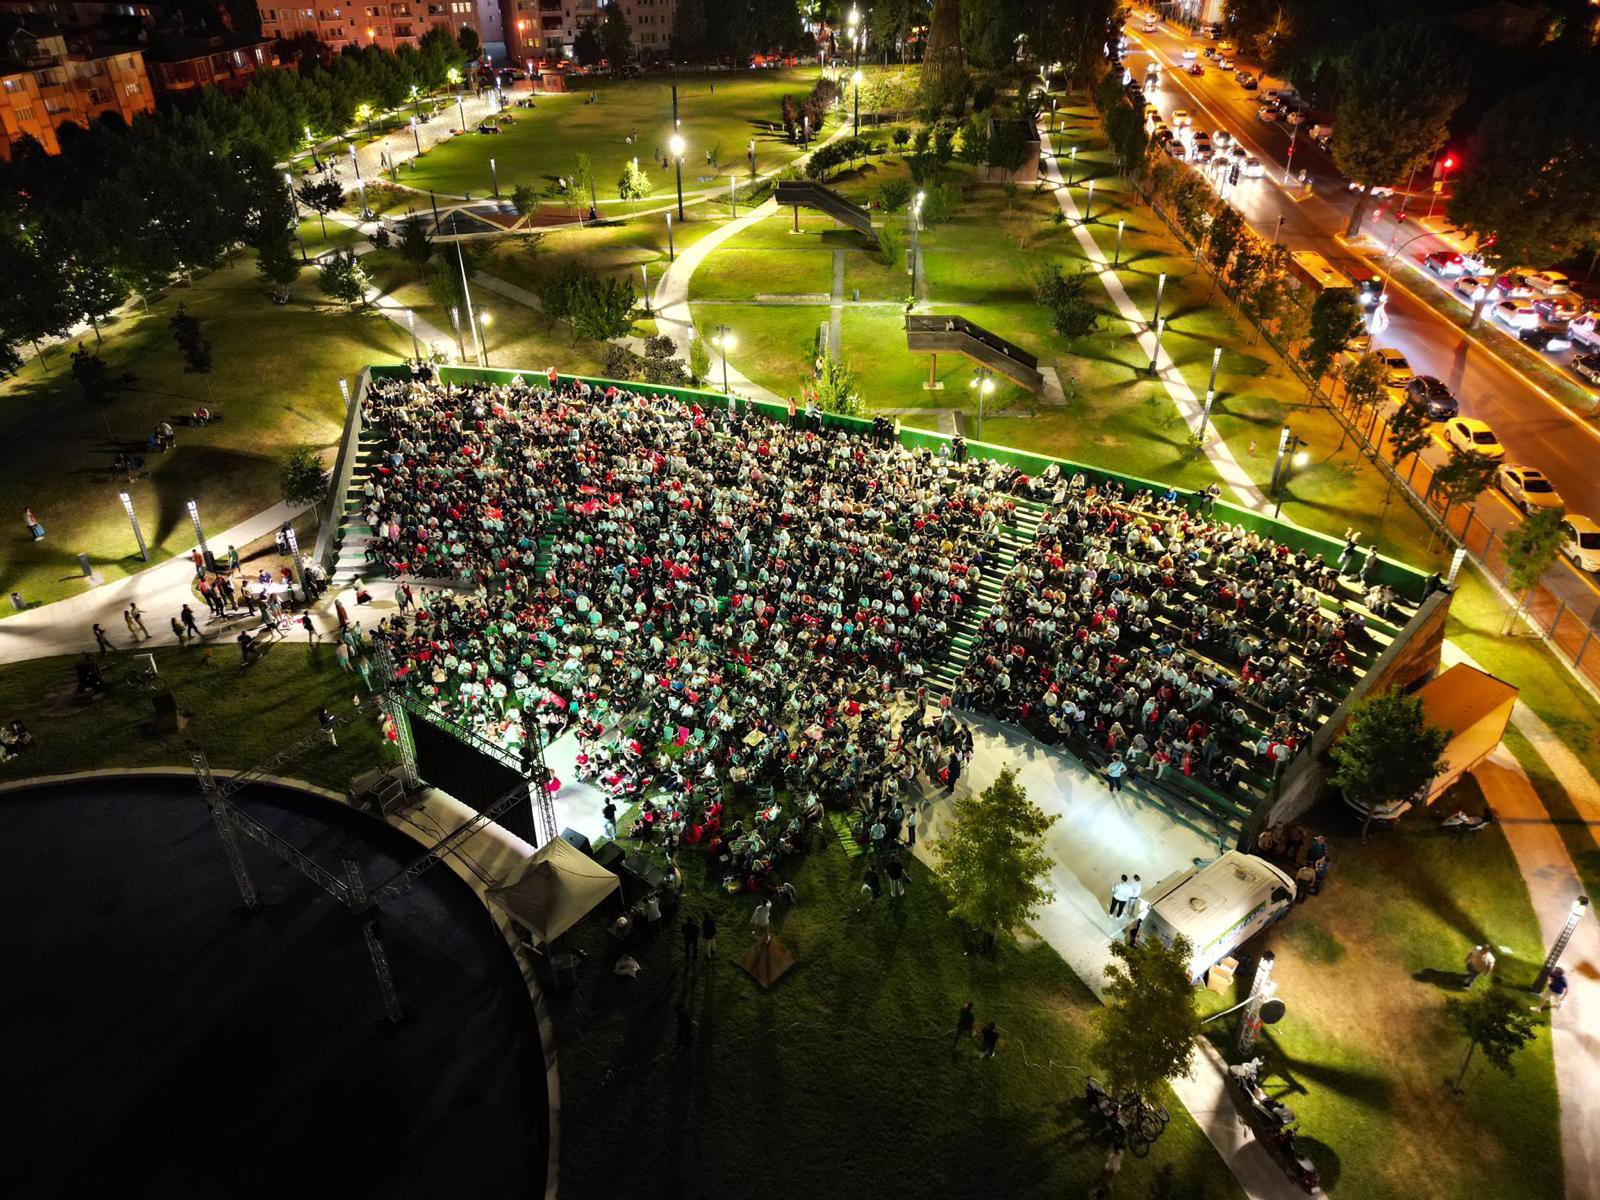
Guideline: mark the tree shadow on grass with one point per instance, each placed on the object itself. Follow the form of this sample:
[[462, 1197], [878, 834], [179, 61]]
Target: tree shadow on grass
[[177, 483]]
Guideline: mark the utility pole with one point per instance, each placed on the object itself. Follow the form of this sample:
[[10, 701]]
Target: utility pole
[[1261, 989]]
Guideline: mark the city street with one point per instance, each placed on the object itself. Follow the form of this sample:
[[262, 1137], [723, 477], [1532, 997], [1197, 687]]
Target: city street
[[1534, 426]]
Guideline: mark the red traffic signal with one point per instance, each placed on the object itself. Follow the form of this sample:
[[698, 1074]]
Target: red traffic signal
[[1449, 162]]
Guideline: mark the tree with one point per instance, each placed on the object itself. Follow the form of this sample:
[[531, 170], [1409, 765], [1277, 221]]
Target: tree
[[835, 388], [278, 266], [1067, 298], [1146, 1033], [1494, 1021], [634, 185], [1335, 320], [1463, 478], [616, 39], [471, 47], [699, 360], [301, 477], [586, 47], [1126, 132], [1529, 550], [1410, 431], [99, 384], [689, 29], [944, 72], [525, 199], [96, 289], [992, 861], [321, 197], [415, 246], [1387, 754], [344, 279], [583, 183], [1398, 90], [1226, 233], [192, 344], [1365, 381], [1008, 145], [602, 307]]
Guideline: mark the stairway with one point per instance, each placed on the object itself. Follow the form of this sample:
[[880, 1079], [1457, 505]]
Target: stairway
[[353, 532]]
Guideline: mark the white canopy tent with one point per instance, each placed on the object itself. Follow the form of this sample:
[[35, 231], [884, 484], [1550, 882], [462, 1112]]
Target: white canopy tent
[[554, 890]]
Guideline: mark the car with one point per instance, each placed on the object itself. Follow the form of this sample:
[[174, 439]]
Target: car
[[1226, 46], [1247, 81], [1195, 68], [1378, 189], [1200, 147], [1180, 118], [1267, 113], [1395, 366], [1513, 285], [1437, 400], [1443, 263], [1559, 308], [1470, 435], [1550, 340], [1273, 95], [1585, 329], [1253, 168], [1548, 283], [1580, 541], [1527, 488], [1473, 287], [1294, 117], [1222, 138], [1224, 64], [1587, 366], [1189, 52], [1515, 315]]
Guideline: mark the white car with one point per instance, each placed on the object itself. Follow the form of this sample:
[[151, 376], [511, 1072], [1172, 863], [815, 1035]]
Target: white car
[[1468, 434], [1528, 488], [1585, 328], [1181, 117], [1253, 168], [1548, 283], [1224, 64], [1397, 369], [1190, 52], [1273, 95], [1378, 189], [1516, 314], [1581, 542]]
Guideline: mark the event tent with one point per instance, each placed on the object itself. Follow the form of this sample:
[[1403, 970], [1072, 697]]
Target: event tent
[[554, 890], [1475, 707]]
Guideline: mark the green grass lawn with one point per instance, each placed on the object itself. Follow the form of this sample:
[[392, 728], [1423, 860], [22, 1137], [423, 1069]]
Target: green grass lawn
[[275, 380], [618, 247], [543, 143], [315, 240], [1365, 1051]]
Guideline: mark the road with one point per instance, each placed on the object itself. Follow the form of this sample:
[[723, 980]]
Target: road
[[1534, 426]]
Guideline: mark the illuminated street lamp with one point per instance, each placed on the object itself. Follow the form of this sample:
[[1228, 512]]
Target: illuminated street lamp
[[724, 341], [1290, 455], [983, 384], [484, 321], [416, 137], [856, 79], [1116, 256], [411, 324], [675, 145], [199, 534], [133, 520], [1574, 915]]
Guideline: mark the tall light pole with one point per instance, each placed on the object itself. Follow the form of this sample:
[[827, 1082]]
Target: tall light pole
[[916, 240], [455, 323], [484, 321], [724, 341], [411, 324], [672, 254], [1161, 287], [416, 137], [1574, 915], [1155, 351], [983, 384], [1116, 256], [675, 145], [199, 534], [856, 79], [1290, 455], [494, 176], [355, 162], [1261, 989], [1088, 204], [466, 294], [133, 520]]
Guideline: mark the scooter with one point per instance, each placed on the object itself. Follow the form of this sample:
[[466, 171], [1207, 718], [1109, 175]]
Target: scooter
[[1273, 1122]]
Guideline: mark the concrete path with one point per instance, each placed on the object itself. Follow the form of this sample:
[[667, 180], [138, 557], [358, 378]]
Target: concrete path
[[1182, 395], [836, 307], [161, 591]]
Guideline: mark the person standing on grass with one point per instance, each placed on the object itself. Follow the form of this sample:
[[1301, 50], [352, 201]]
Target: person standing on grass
[[341, 655], [1555, 992], [101, 640], [246, 645], [761, 921], [708, 935], [327, 721], [1479, 962], [897, 877], [609, 815], [989, 1040], [870, 885], [233, 559], [36, 530], [966, 1027], [691, 939]]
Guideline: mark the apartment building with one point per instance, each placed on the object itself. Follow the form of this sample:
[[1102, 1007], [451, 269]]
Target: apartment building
[[179, 64], [44, 83], [388, 26], [545, 29]]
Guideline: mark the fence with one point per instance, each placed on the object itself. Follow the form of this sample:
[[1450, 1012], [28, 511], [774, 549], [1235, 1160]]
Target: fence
[[1562, 609]]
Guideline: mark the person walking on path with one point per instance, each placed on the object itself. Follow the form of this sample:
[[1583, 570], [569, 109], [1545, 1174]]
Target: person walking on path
[[180, 632], [966, 1027], [189, 622], [911, 825], [137, 614], [199, 561], [134, 628], [691, 939], [989, 1040], [761, 921], [233, 559], [1479, 962], [311, 629], [1555, 992], [897, 877], [341, 654], [1138, 908], [708, 935], [1115, 770], [1135, 890], [101, 640], [344, 617], [1120, 895]]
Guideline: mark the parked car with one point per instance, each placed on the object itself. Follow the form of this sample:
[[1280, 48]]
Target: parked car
[[1516, 315], [1294, 116], [1273, 95], [1195, 68], [1267, 113], [1396, 368], [1468, 434], [1180, 117], [1559, 308], [1247, 81], [1548, 283], [1514, 286], [1581, 542], [1224, 64], [1190, 53], [1200, 148], [1547, 338], [1587, 366], [1437, 400], [1584, 329], [1378, 189], [1472, 287], [1527, 488], [1253, 168], [1444, 263]]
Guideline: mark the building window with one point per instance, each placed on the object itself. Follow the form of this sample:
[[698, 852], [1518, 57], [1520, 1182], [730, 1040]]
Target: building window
[[25, 114], [133, 89]]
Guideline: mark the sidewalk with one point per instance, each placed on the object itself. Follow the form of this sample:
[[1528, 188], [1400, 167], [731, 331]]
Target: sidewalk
[[161, 590]]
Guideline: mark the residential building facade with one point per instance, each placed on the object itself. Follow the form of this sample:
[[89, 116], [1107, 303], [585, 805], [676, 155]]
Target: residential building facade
[[538, 30], [187, 64], [388, 25], [45, 83]]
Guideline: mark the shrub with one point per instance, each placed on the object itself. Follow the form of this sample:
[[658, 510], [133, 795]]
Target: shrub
[[894, 194], [301, 477], [940, 203], [900, 137], [982, 96]]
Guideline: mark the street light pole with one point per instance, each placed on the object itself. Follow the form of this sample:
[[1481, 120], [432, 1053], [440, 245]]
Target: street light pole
[[724, 341], [675, 144], [1161, 287], [455, 323], [983, 383], [672, 255], [1116, 256], [484, 320], [1088, 204], [1574, 915], [133, 519], [494, 175], [1155, 353], [411, 324], [199, 534], [1261, 989]]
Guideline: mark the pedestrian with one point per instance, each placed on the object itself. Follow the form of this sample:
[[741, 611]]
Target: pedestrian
[[101, 640], [1479, 962], [761, 921], [36, 530], [1119, 897], [1139, 909], [179, 632], [1347, 556], [402, 596], [1305, 880], [989, 1040], [246, 643], [233, 559], [708, 935], [1135, 890], [966, 1026], [199, 561], [870, 885], [189, 622], [897, 877], [344, 617], [133, 628], [137, 614], [326, 720], [1370, 566], [1115, 770], [311, 632], [341, 654], [911, 825], [878, 831], [1555, 991], [691, 938]]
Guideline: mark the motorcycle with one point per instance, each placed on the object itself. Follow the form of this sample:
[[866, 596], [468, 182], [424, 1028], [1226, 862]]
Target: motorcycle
[[1273, 1122]]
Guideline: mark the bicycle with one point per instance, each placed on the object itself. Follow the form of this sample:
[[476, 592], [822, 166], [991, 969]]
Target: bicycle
[[146, 679]]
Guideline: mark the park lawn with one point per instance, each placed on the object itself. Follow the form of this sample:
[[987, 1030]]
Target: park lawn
[[841, 1076], [747, 265], [776, 342], [315, 240], [275, 380], [722, 113], [615, 247], [1365, 1051], [239, 717]]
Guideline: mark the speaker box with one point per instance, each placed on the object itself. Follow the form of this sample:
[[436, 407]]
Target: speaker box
[[168, 718], [610, 856], [577, 839]]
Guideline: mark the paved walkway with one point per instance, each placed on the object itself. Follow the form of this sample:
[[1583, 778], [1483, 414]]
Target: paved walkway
[[160, 590], [1234, 477]]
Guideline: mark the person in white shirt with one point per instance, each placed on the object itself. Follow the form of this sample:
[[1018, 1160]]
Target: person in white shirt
[[1120, 895]]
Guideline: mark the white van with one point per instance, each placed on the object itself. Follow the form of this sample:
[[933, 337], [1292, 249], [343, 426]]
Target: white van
[[1218, 907]]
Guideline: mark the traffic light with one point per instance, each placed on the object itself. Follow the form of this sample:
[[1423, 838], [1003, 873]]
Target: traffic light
[[1400, 217], [1449, 162]]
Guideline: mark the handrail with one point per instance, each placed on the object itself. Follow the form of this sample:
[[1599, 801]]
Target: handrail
[[344, 467], [806, 193]]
